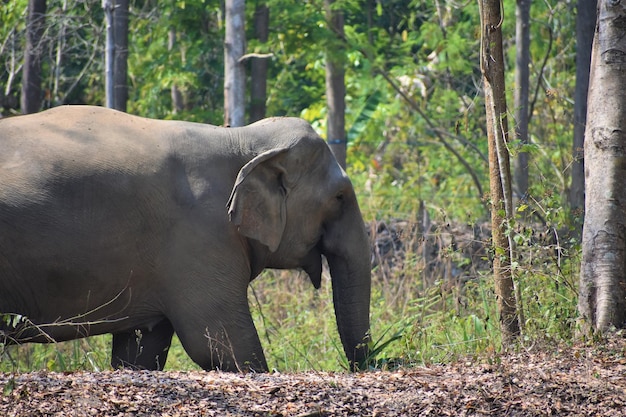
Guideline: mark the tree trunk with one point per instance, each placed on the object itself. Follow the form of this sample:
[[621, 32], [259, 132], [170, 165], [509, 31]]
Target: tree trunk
[[258, 82], [522, 60], [109, 54], [234, 70], [602, 299], [178, 104], [335, 85], [178, 101], [492, 67], [32, 96], [120, 67], [585, 25], [58, 61]]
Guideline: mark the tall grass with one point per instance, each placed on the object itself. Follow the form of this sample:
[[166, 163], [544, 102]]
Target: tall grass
[[91, 354]]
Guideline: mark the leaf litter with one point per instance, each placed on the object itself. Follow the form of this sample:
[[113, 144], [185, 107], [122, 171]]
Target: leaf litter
[[583, 380]]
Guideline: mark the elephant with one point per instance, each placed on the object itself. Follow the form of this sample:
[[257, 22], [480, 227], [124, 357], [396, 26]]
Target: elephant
[[142, 228]]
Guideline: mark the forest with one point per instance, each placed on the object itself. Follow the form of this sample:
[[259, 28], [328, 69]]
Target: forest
[[416, 150]]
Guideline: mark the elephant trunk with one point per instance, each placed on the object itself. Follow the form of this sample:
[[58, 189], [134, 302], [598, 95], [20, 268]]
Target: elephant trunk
[[351, 280]]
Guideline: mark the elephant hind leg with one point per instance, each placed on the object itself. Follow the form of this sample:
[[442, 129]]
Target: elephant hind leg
[[142, 348]]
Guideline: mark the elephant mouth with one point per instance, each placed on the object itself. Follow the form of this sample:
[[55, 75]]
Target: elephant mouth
[[312, 265]]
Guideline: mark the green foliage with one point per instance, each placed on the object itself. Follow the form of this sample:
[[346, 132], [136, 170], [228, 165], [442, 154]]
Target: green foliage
[[92, 354], [192, 62]]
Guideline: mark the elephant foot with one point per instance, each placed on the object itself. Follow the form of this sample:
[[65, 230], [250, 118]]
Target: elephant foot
[[142, 349]]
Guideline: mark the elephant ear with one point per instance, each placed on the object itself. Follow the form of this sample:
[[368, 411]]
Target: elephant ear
[[257, 202]]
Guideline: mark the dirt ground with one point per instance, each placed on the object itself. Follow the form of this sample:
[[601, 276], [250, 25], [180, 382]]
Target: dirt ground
[[576, 381]]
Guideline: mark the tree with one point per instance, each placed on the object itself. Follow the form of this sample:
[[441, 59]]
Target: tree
[[109, 53], [177, 67], [178, 104], [522, 84], [585, 25], [32, 96], [492, 67], [234, 70], [335, 83], [120, 66], [258, 73], [602, 297], [116, 53]]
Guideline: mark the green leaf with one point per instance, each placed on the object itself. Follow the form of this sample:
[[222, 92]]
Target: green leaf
[[364, 116]]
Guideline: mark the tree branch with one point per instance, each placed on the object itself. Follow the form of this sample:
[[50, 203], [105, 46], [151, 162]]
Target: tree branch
[[246, 57]]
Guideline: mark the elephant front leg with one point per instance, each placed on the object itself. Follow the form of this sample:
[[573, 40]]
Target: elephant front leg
[[235, 350], [142, 348], [228, 343]]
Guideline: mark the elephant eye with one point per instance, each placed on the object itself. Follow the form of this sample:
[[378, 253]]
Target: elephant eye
[[339, 197]]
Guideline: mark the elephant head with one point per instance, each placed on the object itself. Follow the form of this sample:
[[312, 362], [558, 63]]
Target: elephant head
[[295, 203]]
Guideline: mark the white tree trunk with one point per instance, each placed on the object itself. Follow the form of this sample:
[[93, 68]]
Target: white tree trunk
[[234, 70], [602, 300], [109, 54], [58, 61]]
